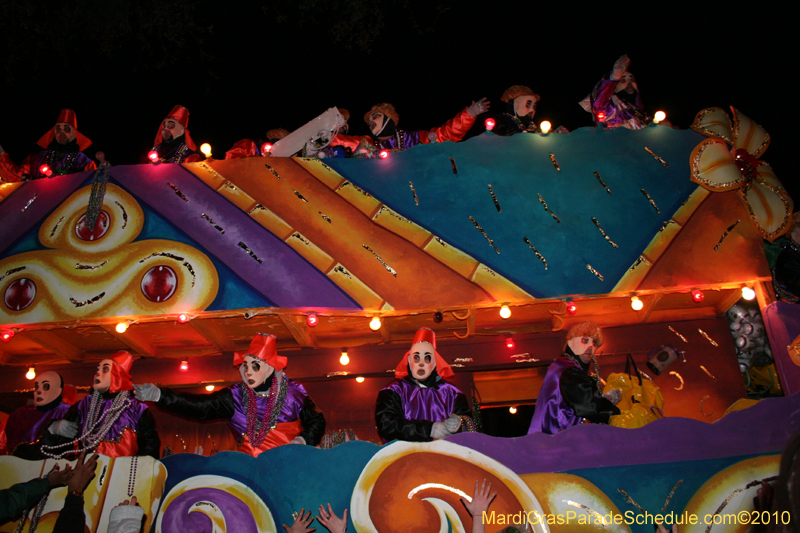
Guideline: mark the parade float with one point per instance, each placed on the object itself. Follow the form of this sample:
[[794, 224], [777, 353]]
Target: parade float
[[498, 244]]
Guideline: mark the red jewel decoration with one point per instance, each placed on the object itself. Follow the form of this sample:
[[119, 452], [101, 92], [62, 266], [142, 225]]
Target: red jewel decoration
[[747, 163], [20, 293], [159, 283], [100, 227]]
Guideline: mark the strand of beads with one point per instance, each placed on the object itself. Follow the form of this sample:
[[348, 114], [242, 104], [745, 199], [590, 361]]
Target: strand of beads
[[132, 476], [257, 430]]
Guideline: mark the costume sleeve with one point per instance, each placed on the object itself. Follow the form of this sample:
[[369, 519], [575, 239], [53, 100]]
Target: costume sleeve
[[147, 440], [125, 519], [452, 130], [15, 499], [212, 406], [71, 519], [580, 391], [313, 422], [392, 424], [348, 141], [49, 439], [9, 172], [601, 96]]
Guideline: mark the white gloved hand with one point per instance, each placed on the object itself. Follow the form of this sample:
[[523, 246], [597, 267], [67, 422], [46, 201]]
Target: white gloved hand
[[481, 106], [439, 430], [452, 423], [147, 392], [620, 67], [298, 440], [64, 428]]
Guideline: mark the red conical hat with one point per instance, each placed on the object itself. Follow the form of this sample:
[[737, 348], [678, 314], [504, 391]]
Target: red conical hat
[[120, 371], [66, 116], [264, 347], [425, 335], [181, 114]]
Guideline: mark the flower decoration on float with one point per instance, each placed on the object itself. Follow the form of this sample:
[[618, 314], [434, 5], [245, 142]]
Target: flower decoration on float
[[729, 160]]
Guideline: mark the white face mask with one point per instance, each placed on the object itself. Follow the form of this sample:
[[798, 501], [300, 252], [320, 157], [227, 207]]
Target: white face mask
[[421, 361], [64, 133], [254, 371], [583, 347], [525, 105], [46, 388], [171, 129], [377, 121], [102, 378]]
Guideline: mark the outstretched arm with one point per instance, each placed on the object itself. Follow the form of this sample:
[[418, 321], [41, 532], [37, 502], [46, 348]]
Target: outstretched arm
[[481, 500]]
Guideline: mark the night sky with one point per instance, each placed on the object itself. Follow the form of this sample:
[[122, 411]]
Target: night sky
[[245, 67]]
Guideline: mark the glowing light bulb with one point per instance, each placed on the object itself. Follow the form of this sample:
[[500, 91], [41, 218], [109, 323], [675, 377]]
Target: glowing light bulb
[[510, 343], [312, 320], [6, 336], [659, 116], [183, 318], [490, 124], [210, 388], [636, 303], [572, 308], [31, 373], [512, 410], [383, 154], [748, 293], [184, 365], [206, 149], [266, 148], [152, 155], [122, 327], [545, 126], [360, 379], [344, 359], [45, 170], [697, 295], [375, 323], [601, 116], [505, 312]]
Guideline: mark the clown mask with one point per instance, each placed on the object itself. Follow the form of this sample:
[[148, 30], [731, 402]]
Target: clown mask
[[171, 129], [525, 106], [64, 133], [421, 361], [254, 371], [627, 83], [46, 388], [102, 378], [583, 347], [377, 121]]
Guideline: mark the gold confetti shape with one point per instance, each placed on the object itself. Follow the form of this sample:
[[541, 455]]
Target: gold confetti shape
[[727, 500], [671, 494], [641, 259], [12, 271], [340, 269], [535, 251], [124, 215], [60, 220], [273, 171], [321, 162], [87, 302], [35, 196], [666, 223], [338, 373], [555, 163], [489, 271], [191, 271], [356, 187], [631, 500], [529, 360], [730, 228], [673, 373], [709, 374], [414, 192], [479, 228], [453, 162], [494, 199], [458, 365], [660, 160], [440, 241], [79, 266], [589, 510], [603, 183], [208, 218], [541, 201], [709, 339], [387, 267], [296, 193], [257, 207], [515, 356], [673, 330], [178, 192], [595, 272], [244, 247], [162, 254], [392, 213], [325, 217], [230, 185], [652, 202], [605, 235], [463, 359], [300, 238], [703, 399]]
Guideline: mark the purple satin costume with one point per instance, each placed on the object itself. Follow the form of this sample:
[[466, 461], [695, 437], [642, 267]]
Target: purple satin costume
[[433, 404], [60, 163], [129, 419], [27, 424], [407, 140], [617, 112], [553, 413], [295, 397]]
